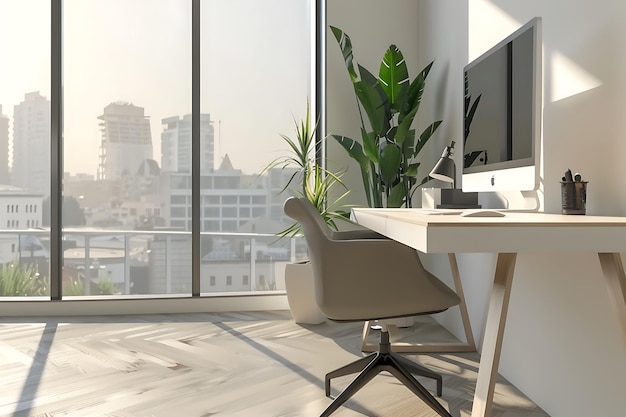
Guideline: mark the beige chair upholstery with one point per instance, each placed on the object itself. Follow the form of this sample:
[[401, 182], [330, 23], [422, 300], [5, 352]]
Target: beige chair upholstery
[[360, 275]]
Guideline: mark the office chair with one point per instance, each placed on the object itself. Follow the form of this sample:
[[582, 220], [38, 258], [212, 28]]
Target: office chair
[[362, 277]]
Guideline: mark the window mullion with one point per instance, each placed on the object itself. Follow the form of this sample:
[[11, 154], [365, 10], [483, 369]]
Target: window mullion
[[195, 146], [56, 149]]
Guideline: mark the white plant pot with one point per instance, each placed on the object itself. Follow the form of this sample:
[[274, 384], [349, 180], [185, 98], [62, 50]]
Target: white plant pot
[[301, 294]]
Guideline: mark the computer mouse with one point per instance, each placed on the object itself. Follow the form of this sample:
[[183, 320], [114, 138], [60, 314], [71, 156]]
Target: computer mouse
[[482, 213]]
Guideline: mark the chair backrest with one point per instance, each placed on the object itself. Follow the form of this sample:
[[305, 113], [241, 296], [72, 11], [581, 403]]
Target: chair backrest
[[317, 235], [366, 278], [315, 229], [303, 211]]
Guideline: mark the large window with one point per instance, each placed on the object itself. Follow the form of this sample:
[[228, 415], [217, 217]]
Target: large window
[[133, 162], [24, 147]]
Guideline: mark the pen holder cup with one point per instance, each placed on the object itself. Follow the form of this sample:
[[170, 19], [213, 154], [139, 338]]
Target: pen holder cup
[[573, 197]]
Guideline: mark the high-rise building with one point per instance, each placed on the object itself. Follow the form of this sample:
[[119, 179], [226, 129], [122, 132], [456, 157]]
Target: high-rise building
[[31, 144], [126, 140], [4, 148], [227, 201], [176, 144]]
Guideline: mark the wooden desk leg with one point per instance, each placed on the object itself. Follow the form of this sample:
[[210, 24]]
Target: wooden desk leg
[[613, 272], [469, 335], [494, 332]]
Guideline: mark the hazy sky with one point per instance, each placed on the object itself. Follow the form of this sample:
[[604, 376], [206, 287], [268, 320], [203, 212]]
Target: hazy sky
[[255, 68]]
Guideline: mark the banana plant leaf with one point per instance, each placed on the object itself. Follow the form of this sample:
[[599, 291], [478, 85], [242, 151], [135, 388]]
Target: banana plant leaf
[[370, 146], [372, 104], [390, 161], [368, 172], [369, 78], [404, 126], [416, 90], [412, 170], [345, 44], [354, 149], [396, 195], [394, 77]]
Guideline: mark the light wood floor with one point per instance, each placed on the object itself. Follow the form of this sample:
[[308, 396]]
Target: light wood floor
[[234, 365]]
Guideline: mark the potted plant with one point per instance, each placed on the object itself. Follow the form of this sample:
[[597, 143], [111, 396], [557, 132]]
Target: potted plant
[[389, 146], [316, 183]]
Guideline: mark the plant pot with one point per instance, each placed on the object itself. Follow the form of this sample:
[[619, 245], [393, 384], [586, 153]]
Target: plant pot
[[301, 294]]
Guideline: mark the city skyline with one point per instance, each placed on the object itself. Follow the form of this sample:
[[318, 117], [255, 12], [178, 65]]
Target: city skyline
[[169, 123], [139, 52]]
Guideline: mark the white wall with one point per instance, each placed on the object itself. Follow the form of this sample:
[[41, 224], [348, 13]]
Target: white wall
[[562, 340], [562, 346]]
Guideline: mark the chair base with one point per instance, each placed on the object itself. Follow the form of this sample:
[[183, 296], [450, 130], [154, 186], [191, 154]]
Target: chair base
[[384, 360]]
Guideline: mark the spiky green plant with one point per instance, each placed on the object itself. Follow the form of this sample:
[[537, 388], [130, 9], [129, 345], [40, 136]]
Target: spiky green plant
[[20, 281], [76, 287], [315, 182], [106, 286], [73, 288]]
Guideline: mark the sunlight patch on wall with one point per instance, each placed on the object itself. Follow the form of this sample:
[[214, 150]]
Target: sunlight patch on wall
[[488, 24], [568, 78]]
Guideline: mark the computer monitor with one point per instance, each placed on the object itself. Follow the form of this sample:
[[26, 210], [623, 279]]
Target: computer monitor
[[502, 117]]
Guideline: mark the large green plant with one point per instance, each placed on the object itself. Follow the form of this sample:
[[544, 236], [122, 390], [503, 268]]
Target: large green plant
[[387, 155], [314, 181]]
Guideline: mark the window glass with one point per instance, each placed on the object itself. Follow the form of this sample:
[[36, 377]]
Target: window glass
[[127, 94], [178, 199], [262, 45], [258, 199], [25, 145], [178, 212], [211, 212], [229, 212]]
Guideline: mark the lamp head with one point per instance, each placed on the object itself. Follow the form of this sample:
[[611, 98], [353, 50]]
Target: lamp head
[[444, 169]]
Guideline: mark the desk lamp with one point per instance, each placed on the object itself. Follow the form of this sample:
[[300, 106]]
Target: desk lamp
[[445, 170]]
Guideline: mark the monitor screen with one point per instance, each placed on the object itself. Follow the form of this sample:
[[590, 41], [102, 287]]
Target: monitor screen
[[502, 117]]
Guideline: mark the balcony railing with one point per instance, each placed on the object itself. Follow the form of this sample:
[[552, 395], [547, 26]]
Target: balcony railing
[[118, 263]]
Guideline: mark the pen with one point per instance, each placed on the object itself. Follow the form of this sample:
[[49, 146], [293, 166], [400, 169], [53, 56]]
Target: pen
[[568, 176]]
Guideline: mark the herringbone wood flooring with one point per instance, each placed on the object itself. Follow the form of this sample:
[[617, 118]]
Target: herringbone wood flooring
[[233, 365]]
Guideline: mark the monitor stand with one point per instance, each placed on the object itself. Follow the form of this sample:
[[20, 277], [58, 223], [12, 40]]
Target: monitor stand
[[449, 198], [513, 200]]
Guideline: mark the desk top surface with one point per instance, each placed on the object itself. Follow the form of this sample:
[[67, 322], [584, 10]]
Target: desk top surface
[[515, 232], [425, 217]]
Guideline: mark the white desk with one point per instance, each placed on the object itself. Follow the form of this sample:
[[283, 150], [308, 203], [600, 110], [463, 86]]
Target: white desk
[[507, 236]]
